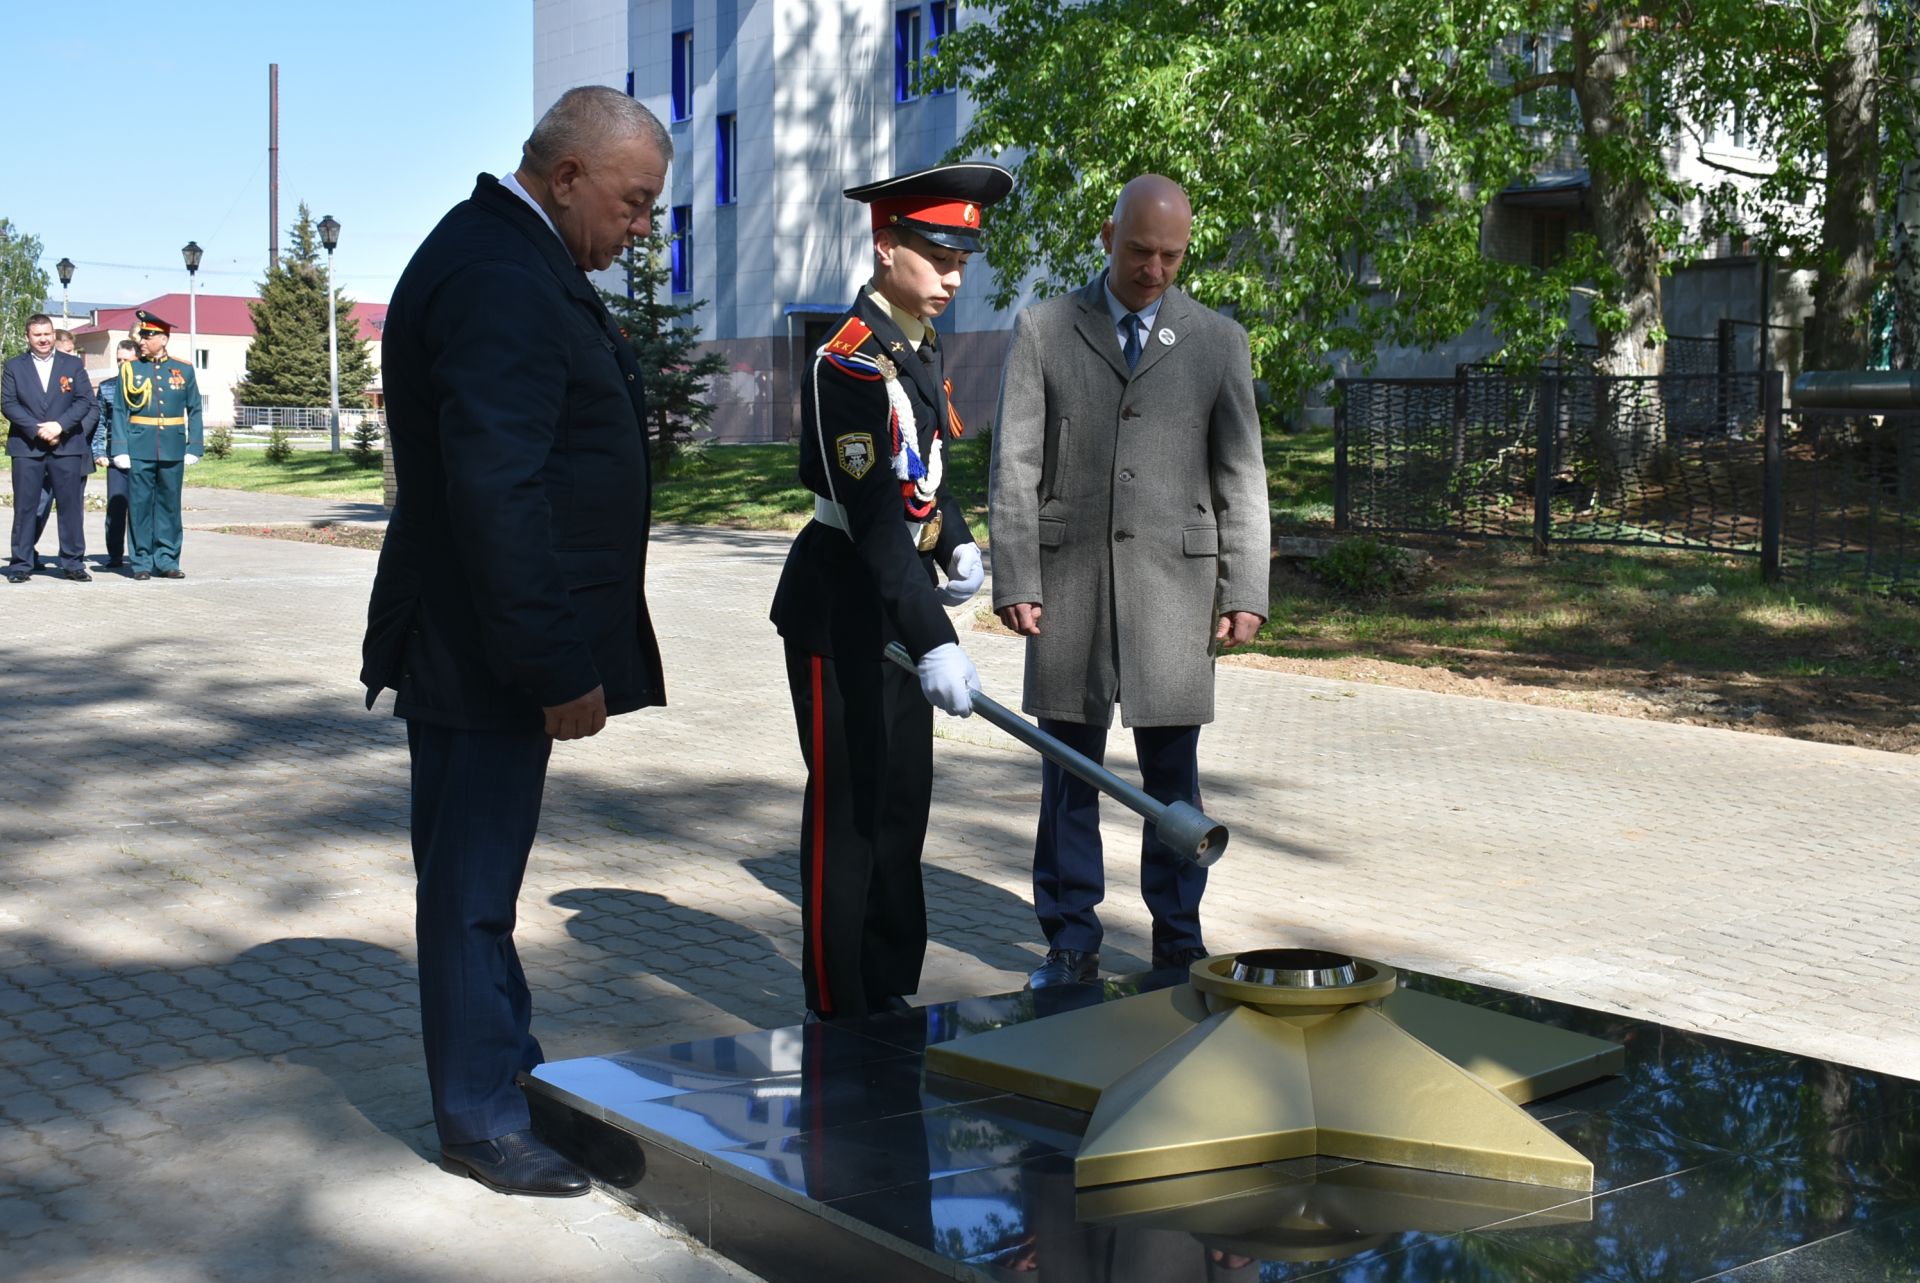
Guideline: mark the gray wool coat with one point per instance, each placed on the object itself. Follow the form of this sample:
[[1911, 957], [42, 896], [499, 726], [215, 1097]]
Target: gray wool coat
[[1131, 505]]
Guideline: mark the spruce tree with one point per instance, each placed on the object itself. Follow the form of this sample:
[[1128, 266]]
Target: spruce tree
[[676, 378], [287, 361]]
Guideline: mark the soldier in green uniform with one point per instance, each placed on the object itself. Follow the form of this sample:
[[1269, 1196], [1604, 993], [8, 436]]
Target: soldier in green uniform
[[156, 434]]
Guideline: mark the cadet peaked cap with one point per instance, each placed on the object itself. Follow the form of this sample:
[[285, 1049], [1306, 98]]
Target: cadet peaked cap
[[943, 204], [146, 322]]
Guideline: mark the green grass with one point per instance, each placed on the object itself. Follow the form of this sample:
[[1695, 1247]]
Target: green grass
[[313, 474]]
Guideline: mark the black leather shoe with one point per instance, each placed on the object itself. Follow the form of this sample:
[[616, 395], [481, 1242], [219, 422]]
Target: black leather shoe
[[169, 574], [78, 576], [894, 1005], [517, 1163], [141, 574], [1065, 967], [18, 576], [114, 563], [1167, 959]]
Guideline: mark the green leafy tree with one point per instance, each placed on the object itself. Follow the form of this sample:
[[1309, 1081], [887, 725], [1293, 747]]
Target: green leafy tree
[[676, 377], [287, 360], [23, 286], [1342, 156]]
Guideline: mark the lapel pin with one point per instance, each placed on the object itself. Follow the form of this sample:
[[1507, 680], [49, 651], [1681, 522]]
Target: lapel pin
[[1165, 337]]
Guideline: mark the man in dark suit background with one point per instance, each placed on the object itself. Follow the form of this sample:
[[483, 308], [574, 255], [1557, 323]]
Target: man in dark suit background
[[108, 434], [508, 610], [48, 402]]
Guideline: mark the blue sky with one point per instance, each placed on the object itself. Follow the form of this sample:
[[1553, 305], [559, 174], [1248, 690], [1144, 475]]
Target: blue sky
[[134, 131]]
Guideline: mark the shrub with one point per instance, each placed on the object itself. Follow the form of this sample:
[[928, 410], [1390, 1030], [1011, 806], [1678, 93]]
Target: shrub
[[1362, 567], [220, 443], [366, 444], [279, 446]]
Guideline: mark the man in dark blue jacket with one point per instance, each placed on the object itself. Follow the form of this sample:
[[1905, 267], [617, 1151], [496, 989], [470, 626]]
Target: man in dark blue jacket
[[48, 403], [508, 609], [109, 440]]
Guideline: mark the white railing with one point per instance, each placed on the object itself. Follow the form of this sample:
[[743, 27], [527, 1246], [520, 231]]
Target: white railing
[[251, 421]]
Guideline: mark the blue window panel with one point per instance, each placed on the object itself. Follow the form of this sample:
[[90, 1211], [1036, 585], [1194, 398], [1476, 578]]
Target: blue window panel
[[726, 162], [682, 256], [682, 108], [944, 15], [629, 82], [906, 54]]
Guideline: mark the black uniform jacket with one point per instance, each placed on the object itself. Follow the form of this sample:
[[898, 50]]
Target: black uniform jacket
[[847, 593], [513, 573]]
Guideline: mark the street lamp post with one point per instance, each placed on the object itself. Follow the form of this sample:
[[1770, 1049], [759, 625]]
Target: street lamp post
[[330, 237], [65, 268], [190, 252]]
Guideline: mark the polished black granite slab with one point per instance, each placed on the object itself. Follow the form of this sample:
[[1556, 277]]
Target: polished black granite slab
[[827, 1152]]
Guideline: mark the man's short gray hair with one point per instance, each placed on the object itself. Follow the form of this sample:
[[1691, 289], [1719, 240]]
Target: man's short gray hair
[[588, 118]]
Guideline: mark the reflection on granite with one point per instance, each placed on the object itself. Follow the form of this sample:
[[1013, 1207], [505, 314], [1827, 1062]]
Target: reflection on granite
[[826, 1150]]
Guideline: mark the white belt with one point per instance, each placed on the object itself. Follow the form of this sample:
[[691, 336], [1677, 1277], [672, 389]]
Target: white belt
[[829, 513]]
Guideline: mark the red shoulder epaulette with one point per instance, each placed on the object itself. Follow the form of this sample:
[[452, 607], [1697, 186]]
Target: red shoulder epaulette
[[850, 337]]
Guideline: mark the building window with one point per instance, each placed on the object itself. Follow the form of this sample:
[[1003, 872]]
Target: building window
[[682, 249], [726, 160], [945, 14], [906, 54], [682, 75], [1536, 59], [202, 358]]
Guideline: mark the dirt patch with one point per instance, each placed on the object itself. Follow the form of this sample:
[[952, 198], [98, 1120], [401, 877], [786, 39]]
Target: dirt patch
[[338, 535]]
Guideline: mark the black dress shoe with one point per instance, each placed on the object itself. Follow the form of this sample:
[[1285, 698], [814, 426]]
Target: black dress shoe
[[1168, 959], [141, 574], [18, 576], [169, 574], [517, 1163], [114, 563], [1065, 967], [78, 576], [894, 1005]]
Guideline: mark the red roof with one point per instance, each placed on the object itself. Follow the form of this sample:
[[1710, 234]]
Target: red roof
[[219, 314]]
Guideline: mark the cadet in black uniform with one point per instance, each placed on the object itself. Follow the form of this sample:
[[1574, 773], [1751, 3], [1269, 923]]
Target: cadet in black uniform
[[864, 572]]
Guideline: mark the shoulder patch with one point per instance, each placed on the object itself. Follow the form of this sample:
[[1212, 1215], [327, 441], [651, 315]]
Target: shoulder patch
[[853, 451], [850, 336]]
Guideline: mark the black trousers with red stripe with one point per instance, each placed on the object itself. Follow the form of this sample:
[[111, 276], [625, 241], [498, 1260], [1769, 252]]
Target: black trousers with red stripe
[[866, 733]]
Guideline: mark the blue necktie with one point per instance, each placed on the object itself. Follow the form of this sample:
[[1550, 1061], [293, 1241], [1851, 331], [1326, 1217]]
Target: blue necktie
[[1131, 347]]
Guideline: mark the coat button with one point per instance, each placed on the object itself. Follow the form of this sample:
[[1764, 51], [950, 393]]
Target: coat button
[[629, 378], [1129, 413], [1126, 475], [1121, 536]]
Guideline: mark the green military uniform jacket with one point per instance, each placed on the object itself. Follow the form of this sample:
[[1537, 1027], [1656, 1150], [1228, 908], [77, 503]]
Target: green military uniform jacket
[[158, 415]]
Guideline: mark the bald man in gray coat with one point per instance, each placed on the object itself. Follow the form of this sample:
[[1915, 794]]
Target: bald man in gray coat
[[1130, 542]]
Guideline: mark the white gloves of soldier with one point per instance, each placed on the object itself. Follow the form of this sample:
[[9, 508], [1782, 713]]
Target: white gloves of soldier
[[189, 459], [123, 461], [965, 574], [946, 677]]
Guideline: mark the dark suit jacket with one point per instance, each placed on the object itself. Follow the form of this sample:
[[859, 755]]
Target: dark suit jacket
[[66, 400], [847, 593], [514, 567]]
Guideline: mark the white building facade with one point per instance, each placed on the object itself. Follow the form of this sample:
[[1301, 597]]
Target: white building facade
[[774, 109]]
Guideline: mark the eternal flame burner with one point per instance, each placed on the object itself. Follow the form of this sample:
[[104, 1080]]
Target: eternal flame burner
[[1281, 1053]]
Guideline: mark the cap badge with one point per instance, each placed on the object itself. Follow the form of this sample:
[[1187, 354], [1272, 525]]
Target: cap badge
[[970, 215]]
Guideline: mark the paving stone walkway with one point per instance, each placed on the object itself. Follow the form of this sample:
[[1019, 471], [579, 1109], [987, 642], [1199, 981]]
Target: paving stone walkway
[[207, 1036]]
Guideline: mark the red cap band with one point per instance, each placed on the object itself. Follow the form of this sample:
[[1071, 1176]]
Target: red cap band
[[962, 216]]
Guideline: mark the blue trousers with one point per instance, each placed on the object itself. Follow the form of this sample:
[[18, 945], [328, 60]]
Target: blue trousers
[[476, 806], [1069, 870], [65, 477]]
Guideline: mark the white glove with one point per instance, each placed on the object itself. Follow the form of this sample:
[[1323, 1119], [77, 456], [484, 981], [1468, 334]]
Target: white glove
[[946, 675], [965, 573], [123, 461], [189, 459]]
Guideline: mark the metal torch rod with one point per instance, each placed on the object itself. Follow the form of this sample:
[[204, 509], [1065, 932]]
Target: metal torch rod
[[1181, 826]]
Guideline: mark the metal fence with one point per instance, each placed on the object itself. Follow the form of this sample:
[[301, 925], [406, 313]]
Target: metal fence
[[1703, 461], [300, 420]]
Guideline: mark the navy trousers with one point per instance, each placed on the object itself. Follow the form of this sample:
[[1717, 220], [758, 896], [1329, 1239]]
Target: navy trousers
[[66, 476], [476, 806], [1069, 868], [866, 733], [116, 512]]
